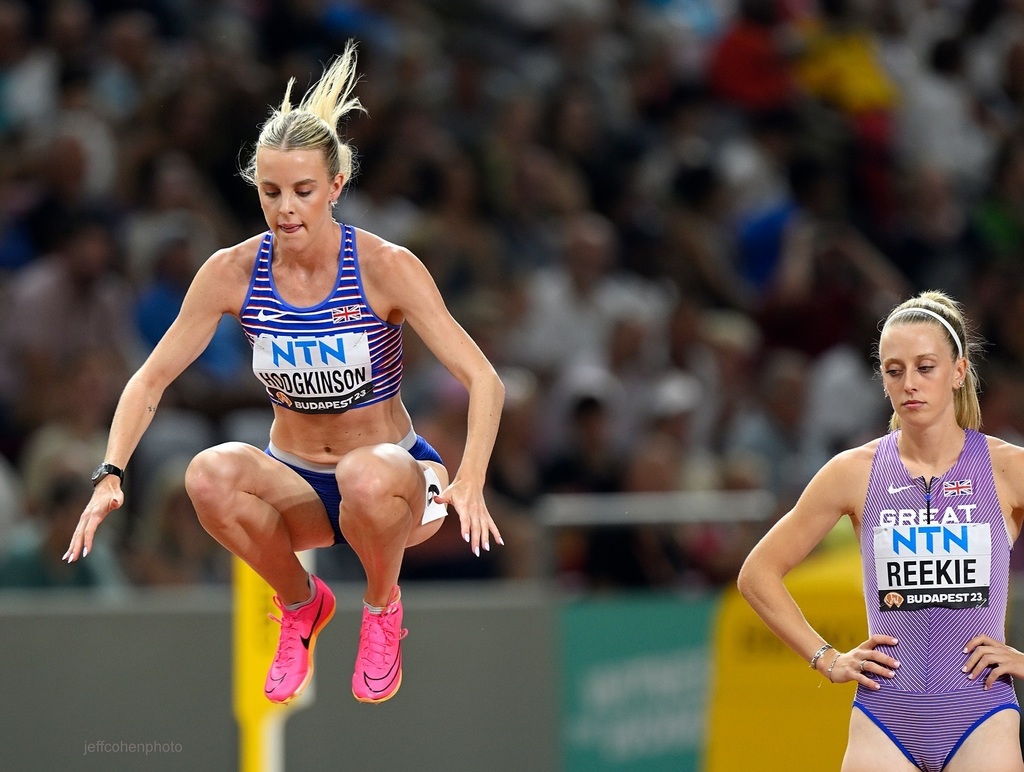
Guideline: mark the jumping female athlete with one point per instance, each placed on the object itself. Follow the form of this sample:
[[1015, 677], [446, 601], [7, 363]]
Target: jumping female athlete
[[323, 305]]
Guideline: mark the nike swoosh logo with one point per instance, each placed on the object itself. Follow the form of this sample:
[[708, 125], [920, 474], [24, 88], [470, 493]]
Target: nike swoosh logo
[[263, 316], [305, 640], [389, 677], [277, 682], [893, 489]]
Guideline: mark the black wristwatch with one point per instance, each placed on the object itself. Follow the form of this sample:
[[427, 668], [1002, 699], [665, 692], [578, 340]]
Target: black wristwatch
[[104, 469]]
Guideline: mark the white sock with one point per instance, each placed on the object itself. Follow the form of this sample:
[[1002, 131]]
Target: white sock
[[379, 609], [301, 603]]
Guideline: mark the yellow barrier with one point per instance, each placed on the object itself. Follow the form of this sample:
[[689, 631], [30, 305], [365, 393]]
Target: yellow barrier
[[260, 722], [767, 710]]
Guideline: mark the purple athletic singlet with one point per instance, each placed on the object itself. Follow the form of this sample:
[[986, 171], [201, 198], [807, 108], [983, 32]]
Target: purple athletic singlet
[[936, 557]]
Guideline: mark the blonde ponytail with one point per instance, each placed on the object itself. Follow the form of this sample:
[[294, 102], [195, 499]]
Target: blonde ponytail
[[313, 123]]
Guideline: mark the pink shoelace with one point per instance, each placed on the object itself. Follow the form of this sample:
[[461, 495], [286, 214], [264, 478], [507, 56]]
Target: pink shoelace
[[289, 634], [379, 635]]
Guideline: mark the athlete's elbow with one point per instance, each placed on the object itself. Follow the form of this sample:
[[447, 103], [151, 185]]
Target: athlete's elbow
[[147, 384], [743, 580], [749, 578], [499, 388], [487, 381]]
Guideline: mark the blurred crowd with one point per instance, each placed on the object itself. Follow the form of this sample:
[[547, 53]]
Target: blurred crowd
[[673, 225]]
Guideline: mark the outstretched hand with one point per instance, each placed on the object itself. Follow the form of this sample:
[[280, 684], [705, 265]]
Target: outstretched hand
[[865, 663], [475, 521], [106, 497], [986, 653]]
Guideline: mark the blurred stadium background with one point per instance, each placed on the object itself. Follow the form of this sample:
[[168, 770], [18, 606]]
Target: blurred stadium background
[[673, 225]]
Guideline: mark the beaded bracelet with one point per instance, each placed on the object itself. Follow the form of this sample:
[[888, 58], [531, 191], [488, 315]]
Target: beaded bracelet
[[818, 653]]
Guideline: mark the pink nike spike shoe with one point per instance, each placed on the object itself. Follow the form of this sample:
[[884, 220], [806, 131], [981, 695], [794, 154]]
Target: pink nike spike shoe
[[292, 667], [378, 673]]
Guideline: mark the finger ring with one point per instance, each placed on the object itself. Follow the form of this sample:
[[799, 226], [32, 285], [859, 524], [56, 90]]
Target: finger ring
[[863, 662]]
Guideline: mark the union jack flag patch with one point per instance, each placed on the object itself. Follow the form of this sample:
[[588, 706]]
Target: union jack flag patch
[[958, 488], [346, 314]]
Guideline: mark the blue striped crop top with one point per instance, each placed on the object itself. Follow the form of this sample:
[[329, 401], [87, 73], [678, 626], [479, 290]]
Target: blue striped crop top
[[326, 358]]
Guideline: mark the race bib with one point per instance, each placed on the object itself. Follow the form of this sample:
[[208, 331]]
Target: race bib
[[325, 374], [923, 566]]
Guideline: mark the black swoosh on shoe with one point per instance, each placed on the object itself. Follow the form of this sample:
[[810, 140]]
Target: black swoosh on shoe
[[277, 682], [390, 676], [312, 628]]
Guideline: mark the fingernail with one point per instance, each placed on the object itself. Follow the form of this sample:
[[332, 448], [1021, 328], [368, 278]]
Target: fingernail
[[85, 551], [487, 546], [963, 670], [466, 537], [500, 541], [476, 551], [965, 650]]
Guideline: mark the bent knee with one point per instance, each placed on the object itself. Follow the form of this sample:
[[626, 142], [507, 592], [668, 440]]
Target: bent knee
[[214, 472], [367, 474]]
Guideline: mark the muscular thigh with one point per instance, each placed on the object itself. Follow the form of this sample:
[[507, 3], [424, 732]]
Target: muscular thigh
[[994, 746], [248, 471], [870, 750]]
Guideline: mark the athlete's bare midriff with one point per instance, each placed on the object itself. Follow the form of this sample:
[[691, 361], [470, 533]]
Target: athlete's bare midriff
[[325, 438]]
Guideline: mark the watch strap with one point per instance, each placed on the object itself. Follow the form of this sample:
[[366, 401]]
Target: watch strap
[[105, 469]]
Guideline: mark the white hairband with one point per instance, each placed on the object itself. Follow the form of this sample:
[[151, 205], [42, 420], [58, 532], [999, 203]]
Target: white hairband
[[947, 325]]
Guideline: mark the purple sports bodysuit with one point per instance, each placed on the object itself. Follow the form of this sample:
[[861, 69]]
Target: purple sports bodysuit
[[936, 558]]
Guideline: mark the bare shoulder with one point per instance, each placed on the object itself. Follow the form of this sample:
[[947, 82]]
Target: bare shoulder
[[1007, 466], [234, 263], [378, 256], [841, 484], [1004, 453], [1008, 473], [854, 462], [837, 490], [223, 280], [394, 279]]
